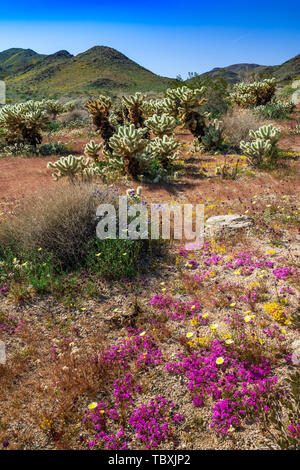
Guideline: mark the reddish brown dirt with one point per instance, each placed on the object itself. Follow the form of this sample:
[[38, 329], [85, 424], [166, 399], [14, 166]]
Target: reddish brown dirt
[[21, 176]]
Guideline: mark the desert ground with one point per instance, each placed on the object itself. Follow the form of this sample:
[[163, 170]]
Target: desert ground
[[195, 351]]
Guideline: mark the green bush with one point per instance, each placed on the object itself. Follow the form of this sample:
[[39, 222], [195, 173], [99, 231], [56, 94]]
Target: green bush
[[53, 148], [275, 110]]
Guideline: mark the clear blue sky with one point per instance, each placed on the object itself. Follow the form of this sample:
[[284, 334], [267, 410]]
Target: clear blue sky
[[169, 38]]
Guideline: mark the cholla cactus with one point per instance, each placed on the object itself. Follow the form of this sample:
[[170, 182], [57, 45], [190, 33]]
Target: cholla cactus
[[164, 149], [153, 106], [128, 143], [269, 132], [160, 106], [213, 136], [187, 102], [54, 108], [263, 147], [92, 150], [133, 104], [69, 106], [248, 95], [119, 114], [100, 110], [91, 172], [161, 125], [256, 151], [70, 167], [24, 123]]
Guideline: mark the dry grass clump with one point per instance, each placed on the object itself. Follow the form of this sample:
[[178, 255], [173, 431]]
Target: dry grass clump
[[60, 221], [237, 124]]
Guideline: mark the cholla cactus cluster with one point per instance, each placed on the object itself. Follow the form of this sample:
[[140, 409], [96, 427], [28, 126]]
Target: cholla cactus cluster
[[133, 104], [129, 143], [188, 101], [24, 122], [161, 125], [164, 148], [72, 167], [263, 146], [100, 111], [213, 136], [248, 95]]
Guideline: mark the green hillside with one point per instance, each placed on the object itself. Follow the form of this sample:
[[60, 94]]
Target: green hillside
[[96, 70], [14, 61]]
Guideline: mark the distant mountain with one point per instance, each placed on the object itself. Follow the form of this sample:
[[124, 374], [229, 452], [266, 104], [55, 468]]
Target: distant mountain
[[239, 72], [98, 69], [103, 69]]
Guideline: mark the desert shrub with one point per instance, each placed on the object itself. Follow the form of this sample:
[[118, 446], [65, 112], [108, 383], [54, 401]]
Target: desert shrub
[[118, 258], [56, 232], [237, 123], [59, 222], [75, 119], [275, 109], [17, 149], [247, 95], [53, 148]]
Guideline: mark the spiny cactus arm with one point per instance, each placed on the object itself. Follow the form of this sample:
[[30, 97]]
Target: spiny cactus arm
[[70, 166], [161, 125], [92, 150], [267, 132]]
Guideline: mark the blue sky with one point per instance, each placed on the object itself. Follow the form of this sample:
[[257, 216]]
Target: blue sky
[[169, 38]]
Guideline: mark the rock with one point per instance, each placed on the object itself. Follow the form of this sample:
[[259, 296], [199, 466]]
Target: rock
[[295, 344], [296, 357], [226, 223], [296, 97], [2, 353], [296, 84]]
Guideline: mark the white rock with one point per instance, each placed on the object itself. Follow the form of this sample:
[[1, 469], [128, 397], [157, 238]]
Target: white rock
[[296, 84], [2, 353], [228, 223], [295, 344]]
